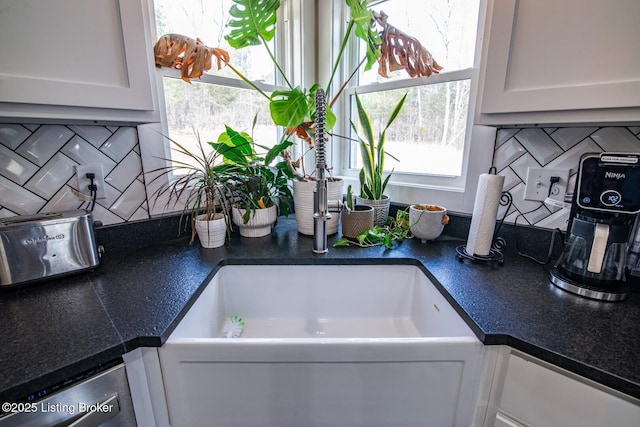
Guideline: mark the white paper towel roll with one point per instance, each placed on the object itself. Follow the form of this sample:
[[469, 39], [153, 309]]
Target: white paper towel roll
[[485, 211]]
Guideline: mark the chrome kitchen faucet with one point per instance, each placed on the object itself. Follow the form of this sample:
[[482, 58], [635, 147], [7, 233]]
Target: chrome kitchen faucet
[[320, 203]]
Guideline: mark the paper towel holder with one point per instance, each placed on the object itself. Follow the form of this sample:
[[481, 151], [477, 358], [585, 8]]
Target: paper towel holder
[[495, 255]]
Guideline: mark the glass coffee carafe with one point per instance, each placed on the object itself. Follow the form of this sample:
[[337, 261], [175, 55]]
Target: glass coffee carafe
[[633, 257], [595, 252]]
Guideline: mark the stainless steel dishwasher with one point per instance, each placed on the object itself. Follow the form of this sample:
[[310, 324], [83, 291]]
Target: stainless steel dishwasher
[[101, 399]]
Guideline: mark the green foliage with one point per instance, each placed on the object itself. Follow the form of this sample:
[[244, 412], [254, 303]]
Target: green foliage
[[329, 117], [365, 29], [202, 182], [289, 108], [256, 184], [274, 151], [234, 147], [350, 203], [254, 23], [372, 183], [397, 230]]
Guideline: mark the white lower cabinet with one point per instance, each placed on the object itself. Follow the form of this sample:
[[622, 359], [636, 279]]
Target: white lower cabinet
[[503, 420], [159, 399], [516, 390], [147, 387], [527, 392]]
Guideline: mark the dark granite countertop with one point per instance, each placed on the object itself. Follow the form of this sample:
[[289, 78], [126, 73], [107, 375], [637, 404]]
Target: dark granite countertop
[[54, 330]]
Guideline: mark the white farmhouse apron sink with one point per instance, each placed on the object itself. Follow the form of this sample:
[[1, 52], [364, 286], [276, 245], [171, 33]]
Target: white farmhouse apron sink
[[330, 345]]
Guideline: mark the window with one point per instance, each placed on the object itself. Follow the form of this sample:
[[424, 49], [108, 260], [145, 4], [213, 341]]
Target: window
[[219, 97], [216, 99], [430, 138]]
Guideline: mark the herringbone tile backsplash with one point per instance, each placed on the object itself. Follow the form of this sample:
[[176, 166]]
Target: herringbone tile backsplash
[[37, 170], [37, 167], [516, 150]]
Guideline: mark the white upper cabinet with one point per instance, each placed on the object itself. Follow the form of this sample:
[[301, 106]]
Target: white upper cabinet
[[76, 59], [560, 62]]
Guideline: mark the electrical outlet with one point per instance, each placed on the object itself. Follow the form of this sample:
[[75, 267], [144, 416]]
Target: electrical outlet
[[539, 182], [84, 182]]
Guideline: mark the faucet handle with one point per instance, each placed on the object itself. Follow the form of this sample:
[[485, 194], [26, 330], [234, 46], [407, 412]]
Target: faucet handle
[[336, 205]]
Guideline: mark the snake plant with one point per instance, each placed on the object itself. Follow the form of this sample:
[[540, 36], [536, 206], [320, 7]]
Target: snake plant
[[372, 180]]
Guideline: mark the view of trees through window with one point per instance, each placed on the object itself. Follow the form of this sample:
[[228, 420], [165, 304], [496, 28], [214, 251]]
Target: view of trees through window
[[428, 136], [207, 108], [208, 105]]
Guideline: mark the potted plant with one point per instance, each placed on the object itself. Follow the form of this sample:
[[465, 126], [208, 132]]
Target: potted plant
[[293, 108], [200, 183], [258, 189], [372, 179], [396, 230], [252, 23], [356, 219], [427, 221]]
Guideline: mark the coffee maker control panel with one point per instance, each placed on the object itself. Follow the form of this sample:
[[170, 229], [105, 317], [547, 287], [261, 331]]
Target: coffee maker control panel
[[609, 182]]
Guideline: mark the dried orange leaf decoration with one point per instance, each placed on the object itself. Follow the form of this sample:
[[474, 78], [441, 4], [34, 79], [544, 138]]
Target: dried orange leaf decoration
[[400, 51], [302, 132], [186, 54]]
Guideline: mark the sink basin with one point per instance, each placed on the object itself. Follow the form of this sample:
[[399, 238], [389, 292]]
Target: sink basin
[[331, 301], [329, 345]]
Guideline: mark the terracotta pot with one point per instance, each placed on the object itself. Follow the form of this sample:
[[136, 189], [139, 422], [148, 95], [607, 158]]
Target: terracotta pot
[[427, 221], [380, 207], [303, 205], [357, 221], [260, 221], [212, 233]]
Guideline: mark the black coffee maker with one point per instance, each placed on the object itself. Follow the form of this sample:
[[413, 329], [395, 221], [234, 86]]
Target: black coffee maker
[[605, 204]]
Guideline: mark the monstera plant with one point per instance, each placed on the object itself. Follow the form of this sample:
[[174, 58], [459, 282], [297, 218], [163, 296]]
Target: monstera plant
[[252, 23]]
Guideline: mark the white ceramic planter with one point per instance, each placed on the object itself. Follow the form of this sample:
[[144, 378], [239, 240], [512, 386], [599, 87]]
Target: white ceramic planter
[[380, 208], [260, 222], [427, 224], [303, 205], [212, 233]]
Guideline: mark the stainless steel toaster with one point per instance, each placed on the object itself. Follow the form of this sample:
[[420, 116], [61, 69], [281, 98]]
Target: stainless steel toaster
[[43, 246]]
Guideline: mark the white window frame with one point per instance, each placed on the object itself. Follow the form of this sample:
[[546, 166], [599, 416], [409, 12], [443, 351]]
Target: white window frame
[[308, 29], [456, 193], [155, 148]]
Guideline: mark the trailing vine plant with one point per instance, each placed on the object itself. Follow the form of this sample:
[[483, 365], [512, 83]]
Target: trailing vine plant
[[394, 232]]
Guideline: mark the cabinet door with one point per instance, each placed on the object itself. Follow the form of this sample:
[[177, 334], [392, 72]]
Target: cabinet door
[[75, 53], [558, 56], [541, 396], [505, 421]]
